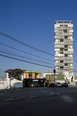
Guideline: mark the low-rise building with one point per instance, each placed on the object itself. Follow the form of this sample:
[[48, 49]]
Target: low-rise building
[[28, 78]]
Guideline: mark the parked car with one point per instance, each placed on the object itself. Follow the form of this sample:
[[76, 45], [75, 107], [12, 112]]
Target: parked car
[[58, 84], [52, 85], [65, 84]]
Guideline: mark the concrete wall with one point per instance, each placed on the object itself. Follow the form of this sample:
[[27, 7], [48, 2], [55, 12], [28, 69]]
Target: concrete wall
[[16, 83], [3, 85]]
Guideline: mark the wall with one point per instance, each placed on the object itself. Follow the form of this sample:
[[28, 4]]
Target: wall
[[3, 85], [16, 83], [33, 75]]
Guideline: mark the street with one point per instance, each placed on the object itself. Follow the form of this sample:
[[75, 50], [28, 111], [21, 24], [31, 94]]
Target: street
[[29, 93], [62, 105]]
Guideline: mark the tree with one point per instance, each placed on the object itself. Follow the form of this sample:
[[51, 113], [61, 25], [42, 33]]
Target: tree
[[15, 74]]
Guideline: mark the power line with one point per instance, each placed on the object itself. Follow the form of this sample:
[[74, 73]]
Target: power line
[[25, 52], [25, 61], [25, 44], [23, 57]]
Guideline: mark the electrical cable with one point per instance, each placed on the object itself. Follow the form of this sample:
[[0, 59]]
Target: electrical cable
[[23, 56], [25, 44], [25, 52], [25, 61]]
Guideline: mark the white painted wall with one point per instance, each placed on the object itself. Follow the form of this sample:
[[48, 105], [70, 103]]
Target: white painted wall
[[3, 85], [16, 83]]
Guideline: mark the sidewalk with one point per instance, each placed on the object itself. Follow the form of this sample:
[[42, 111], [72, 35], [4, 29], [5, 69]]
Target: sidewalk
[[32, 93], [26, 93]]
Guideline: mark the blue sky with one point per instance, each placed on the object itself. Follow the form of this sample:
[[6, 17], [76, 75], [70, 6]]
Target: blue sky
[[32, 21]]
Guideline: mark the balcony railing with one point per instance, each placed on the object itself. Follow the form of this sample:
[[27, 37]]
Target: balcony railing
[[68, 67], [68, 61], [63, 34], [59, 46], [68, 52], [59, 64], [64, 43], [59, 55], [63, 58]]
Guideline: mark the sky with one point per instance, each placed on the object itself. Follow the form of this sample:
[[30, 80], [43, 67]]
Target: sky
[[32, 22]]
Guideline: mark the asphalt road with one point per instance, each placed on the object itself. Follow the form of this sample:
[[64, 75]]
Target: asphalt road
[[61, 105], [28, 93]]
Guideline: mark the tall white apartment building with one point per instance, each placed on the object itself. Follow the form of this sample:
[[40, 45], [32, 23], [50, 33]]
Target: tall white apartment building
[[64, 48]]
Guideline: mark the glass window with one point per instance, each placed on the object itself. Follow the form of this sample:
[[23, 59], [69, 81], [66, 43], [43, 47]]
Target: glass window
[[66, 55], [61, 40], [66, 46], [66, 64], [61, 25], [66, 37], [65, 25], [30, 75], [61, 67], [61, 49], [65, 49], [65, 31], [61, 61], [61, 52]]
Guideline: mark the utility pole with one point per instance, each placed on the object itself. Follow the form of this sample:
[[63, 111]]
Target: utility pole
[[54, 80], [48, 77]]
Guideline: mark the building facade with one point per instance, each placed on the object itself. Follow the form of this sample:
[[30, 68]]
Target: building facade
[[64, 48], [27, 78]]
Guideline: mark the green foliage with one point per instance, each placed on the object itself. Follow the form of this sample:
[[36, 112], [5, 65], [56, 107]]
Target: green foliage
[[15, 74], [58, 77]]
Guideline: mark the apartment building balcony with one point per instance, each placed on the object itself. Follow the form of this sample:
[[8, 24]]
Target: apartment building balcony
[[58, 28], [59, 46], [68, 67], [57, 50], [68, 52], [71, 31], [56, 34], [68, 40], [63, 58], [59, 64], [69, 47], [58, 42], [62, 31], [68, 58], [59, 70], [68, 61], [59, 37], [59, 55], [63, 43], [59, 58]]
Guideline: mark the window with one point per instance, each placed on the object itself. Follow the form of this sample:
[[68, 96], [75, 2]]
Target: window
[[61, 25], [61, 52], [65, 25], [65, 31], [61, 49], [61, 67], [61, 40], [66, 37], [66, 64], [66, 46], [61, 61], [65, 49], [66, 55], [30, 75]]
